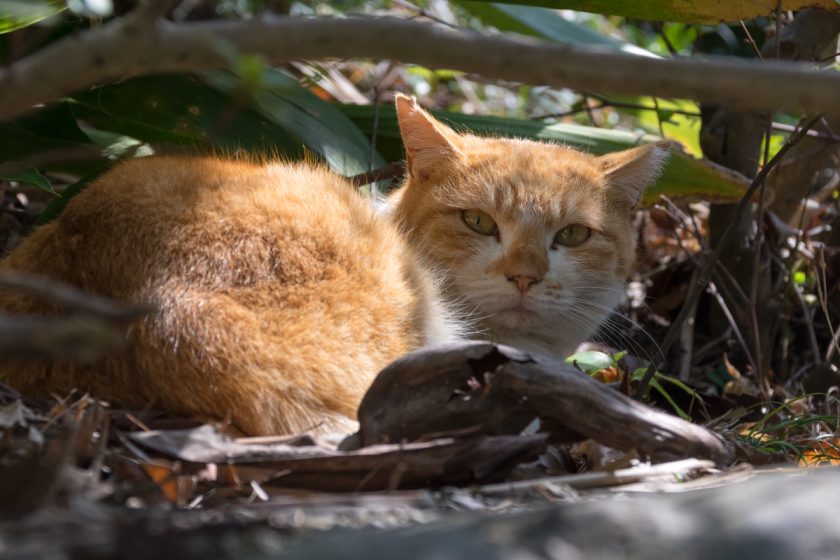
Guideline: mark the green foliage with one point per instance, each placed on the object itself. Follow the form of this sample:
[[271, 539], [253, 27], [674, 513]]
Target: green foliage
[[57, 205], [698, 11], [543, 23], [659, 383], [30, 176], [15, 14], [217, 110], [592, 361]]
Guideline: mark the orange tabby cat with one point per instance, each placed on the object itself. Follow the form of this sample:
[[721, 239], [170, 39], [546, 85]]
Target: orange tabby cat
[[280, 293]]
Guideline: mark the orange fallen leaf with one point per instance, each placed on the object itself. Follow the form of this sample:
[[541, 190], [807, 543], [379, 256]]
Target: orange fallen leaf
[[822, 452], [176, 488]]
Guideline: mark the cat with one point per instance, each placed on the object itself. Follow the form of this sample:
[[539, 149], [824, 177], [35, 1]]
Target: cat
[[280, 292]]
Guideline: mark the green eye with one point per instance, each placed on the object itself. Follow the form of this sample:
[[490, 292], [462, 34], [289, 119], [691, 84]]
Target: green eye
[[480, 222], [572, 235]]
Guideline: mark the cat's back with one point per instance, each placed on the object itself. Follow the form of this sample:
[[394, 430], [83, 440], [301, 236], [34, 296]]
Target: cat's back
[[208, 221], [279, 292]]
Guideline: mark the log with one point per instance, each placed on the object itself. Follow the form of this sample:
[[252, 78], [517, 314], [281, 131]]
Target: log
[[497, 390]]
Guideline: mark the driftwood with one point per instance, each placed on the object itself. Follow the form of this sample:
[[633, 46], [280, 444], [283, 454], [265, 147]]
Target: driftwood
[[494, 389]]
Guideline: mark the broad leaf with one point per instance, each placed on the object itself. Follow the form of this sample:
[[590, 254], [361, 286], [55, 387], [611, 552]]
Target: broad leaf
[[591, 361], [30, 176], [60, 202], [15, 14], [699, 11], [180, 110], [50, 140], [318, 124], [217, 110], [544, 23]]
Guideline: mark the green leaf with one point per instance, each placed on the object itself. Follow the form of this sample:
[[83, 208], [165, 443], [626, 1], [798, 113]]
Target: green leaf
[[318, 124], [58, 203], [15, 14], [700, 11], [684, 176], [656, 384], [218, 110], [30, 176], [180, 110], [676, 125], [544, 23], [50, 129], [591, 361]]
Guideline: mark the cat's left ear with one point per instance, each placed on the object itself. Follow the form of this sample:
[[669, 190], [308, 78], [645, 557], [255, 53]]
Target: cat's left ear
[[630, 171], [429, 144]]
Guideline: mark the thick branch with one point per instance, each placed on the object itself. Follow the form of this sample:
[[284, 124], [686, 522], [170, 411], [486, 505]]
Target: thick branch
[[499, 390], [129, 46]]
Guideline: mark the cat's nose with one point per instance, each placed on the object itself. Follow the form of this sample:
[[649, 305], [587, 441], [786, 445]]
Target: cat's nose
[[523, 282]]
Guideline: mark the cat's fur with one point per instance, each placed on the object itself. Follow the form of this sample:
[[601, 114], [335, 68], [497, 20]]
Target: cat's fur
[[281, 294]]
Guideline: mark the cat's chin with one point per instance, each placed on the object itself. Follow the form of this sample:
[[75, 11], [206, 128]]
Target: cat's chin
[[516, 317]]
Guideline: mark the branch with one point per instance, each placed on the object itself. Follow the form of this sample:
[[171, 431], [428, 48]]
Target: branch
[[69, 298], [499, 390], [131, 46]]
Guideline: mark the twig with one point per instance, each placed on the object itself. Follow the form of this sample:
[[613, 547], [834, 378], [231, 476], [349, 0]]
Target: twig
[[812, 335], [395, 169], [733, 323], [121, 48], [750, 40], [606, 102], [68, 297], [828, 58], [822, 294], [659, 118], [758, 245], [822, 135], [778, 38], [660, 30], [711, 288], [418, 11], [711, 259]]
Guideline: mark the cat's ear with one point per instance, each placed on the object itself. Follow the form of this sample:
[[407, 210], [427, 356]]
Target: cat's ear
[[630, 171], [429, 144]]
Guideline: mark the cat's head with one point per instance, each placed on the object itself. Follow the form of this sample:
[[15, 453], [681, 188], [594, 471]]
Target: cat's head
[[533, 239]]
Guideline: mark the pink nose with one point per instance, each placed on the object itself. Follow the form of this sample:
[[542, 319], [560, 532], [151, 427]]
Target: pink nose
[[523, 282]]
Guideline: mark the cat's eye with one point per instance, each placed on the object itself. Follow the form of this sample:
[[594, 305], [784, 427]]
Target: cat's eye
[[480, 222], [571, 236]]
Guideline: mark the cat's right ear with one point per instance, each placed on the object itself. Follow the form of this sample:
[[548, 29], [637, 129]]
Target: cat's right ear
[[429, 144], [628, 172]]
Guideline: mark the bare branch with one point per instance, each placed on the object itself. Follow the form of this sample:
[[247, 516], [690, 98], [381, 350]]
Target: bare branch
[[68, 298], [126, 47]]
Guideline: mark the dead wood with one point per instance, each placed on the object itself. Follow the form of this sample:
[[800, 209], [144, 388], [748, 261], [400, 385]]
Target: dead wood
[[314, 465], [499, 390]]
